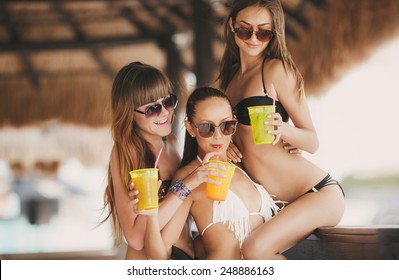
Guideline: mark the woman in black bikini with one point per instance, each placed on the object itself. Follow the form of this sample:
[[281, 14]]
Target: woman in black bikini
[[255, 59]]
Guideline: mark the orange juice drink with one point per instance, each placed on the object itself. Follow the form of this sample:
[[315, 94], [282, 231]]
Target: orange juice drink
[[219, 192], [146, 182], [258, 116]]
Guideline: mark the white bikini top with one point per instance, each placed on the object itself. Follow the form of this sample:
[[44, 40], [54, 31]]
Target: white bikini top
[[234, 212]]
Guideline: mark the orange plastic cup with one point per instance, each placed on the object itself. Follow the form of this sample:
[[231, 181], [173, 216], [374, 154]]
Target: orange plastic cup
[[146, 182], [219, 192]]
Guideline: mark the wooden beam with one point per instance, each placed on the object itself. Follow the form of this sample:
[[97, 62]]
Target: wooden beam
[[34, 76], [12, 31], [103, 65], [101, 1], [321, 4], [68, 18], [204, 35], [64, 44], [169, 28]]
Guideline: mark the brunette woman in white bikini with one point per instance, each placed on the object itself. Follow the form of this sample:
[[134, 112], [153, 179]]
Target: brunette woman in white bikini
[[224, 226]]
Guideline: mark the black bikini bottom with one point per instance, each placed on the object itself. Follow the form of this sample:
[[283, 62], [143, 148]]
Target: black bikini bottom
[[327, 181], [179, 254]]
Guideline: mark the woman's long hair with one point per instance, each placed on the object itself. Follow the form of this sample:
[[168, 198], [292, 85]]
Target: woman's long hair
[[200, 94], [276, 48], [135, 84]]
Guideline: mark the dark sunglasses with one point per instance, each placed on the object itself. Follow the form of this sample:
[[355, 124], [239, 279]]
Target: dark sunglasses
[[262, 35], [169, 103], [207, 130]]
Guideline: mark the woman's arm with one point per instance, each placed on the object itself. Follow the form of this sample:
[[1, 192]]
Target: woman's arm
[[158, 243], [154, 246], [157, 246], [303, 134], [191, 177], [172, 231], [132, 224], [153, 242]]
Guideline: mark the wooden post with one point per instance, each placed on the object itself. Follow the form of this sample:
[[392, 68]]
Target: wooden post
[[173, 70], [203, 42]]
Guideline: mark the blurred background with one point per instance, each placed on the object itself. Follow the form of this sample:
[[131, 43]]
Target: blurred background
[[57, 63]]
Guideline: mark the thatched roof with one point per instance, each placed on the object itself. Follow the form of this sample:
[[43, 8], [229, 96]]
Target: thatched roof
[[58, 58], [343, 35]]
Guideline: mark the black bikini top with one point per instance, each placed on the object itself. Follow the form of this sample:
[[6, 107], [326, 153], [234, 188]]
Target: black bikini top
[[241, 109]]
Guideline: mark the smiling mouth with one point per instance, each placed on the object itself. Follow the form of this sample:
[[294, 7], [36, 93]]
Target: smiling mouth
[[161, 121]]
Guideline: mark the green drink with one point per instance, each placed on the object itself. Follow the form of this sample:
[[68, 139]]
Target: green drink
[[258, 115]]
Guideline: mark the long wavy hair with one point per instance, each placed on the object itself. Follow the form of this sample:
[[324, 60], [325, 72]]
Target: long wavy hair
[[135, 84], [198, 95], [276, 48]]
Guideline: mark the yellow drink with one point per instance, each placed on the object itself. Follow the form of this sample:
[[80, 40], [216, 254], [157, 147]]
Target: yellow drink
[[219, 192], [146, 182], [258, 116]]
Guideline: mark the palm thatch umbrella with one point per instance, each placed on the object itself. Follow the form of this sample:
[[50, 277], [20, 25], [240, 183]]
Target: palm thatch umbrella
[[76, 47], [339, 37]]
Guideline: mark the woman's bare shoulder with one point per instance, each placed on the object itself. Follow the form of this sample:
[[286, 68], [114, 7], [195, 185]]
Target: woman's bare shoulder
[[276, 68], [281, 76]]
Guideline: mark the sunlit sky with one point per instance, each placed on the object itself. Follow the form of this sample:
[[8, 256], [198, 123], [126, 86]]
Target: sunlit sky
[[356, 119]]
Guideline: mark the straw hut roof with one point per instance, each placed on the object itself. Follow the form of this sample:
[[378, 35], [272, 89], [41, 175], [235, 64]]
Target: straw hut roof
[[58, 58]]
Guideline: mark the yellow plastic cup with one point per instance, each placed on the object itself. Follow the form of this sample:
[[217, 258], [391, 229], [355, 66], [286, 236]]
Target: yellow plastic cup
[[146, 182], [219, 192], [258, 116]]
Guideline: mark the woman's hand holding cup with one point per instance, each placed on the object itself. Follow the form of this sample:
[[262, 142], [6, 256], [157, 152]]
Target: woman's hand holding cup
[[134, 201], [203, 172]]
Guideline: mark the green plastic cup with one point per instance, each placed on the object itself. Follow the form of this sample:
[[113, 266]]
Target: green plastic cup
[[258, 116]]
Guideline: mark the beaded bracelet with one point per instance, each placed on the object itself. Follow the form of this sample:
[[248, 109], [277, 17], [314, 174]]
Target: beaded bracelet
[[180, 189]]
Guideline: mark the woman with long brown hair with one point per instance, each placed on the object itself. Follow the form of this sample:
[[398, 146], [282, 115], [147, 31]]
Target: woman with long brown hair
[[257, 67], [143, 105], [142, 114]]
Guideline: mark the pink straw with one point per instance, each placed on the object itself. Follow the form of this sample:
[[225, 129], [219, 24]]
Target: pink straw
[[158, 157], [217, 156], [274, 95]]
